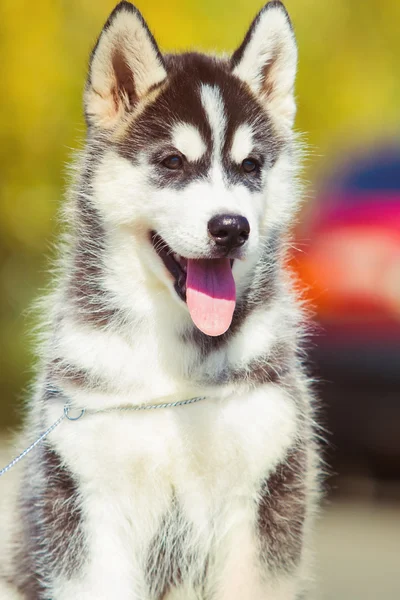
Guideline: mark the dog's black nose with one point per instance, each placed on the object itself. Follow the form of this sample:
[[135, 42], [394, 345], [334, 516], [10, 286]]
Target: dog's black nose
[[231, 231]]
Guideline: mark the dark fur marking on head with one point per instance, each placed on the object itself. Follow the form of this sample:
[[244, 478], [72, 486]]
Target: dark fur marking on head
[[282, 512], [53, 541], [163, 177], [180, 101]]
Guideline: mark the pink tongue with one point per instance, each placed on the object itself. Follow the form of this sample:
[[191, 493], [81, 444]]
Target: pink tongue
[[210, 294]]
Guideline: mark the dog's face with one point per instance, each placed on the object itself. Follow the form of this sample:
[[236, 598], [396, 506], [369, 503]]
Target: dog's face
[[190, 145]]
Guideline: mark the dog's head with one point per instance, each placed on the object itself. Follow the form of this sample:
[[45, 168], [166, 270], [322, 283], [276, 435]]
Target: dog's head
[[195, 153]]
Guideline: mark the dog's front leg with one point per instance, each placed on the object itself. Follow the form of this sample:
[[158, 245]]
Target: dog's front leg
[[103, 579], [245, 577], [111, 568]]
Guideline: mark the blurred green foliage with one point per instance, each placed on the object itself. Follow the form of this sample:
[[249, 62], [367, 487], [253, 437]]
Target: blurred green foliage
[[348, 90]]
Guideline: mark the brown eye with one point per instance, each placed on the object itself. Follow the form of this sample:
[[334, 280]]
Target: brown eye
[[173, 162], [249, 165]]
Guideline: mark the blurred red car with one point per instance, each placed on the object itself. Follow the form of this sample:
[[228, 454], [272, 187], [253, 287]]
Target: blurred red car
[[351, 267]]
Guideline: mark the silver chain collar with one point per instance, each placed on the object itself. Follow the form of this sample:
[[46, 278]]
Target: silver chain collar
[[84, 411]]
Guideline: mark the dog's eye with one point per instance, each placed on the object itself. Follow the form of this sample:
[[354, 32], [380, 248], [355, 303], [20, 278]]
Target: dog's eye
[[249, 165], [173, 162]]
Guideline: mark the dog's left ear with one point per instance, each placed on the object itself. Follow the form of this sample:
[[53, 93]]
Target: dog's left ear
[[125, 65], [267, 61]]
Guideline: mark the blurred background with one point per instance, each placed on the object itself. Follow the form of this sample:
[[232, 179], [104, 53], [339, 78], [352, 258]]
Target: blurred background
[[347, 240]]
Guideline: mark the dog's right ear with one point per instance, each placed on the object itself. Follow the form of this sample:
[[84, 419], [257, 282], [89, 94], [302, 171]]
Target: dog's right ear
[[125, 64]]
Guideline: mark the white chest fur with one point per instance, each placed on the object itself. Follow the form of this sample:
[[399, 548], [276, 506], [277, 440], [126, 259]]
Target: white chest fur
[[210, 457]]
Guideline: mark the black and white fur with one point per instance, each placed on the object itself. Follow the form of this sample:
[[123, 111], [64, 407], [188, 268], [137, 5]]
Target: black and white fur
[[210, 501]]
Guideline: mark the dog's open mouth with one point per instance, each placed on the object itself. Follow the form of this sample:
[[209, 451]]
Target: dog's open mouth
[[205, 284]]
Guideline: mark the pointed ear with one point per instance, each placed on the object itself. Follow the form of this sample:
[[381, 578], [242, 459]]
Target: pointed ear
[[267, 61], [125, 64]]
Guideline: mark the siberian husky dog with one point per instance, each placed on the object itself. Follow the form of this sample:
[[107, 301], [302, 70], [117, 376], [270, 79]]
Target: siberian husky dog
[[172, 286]]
